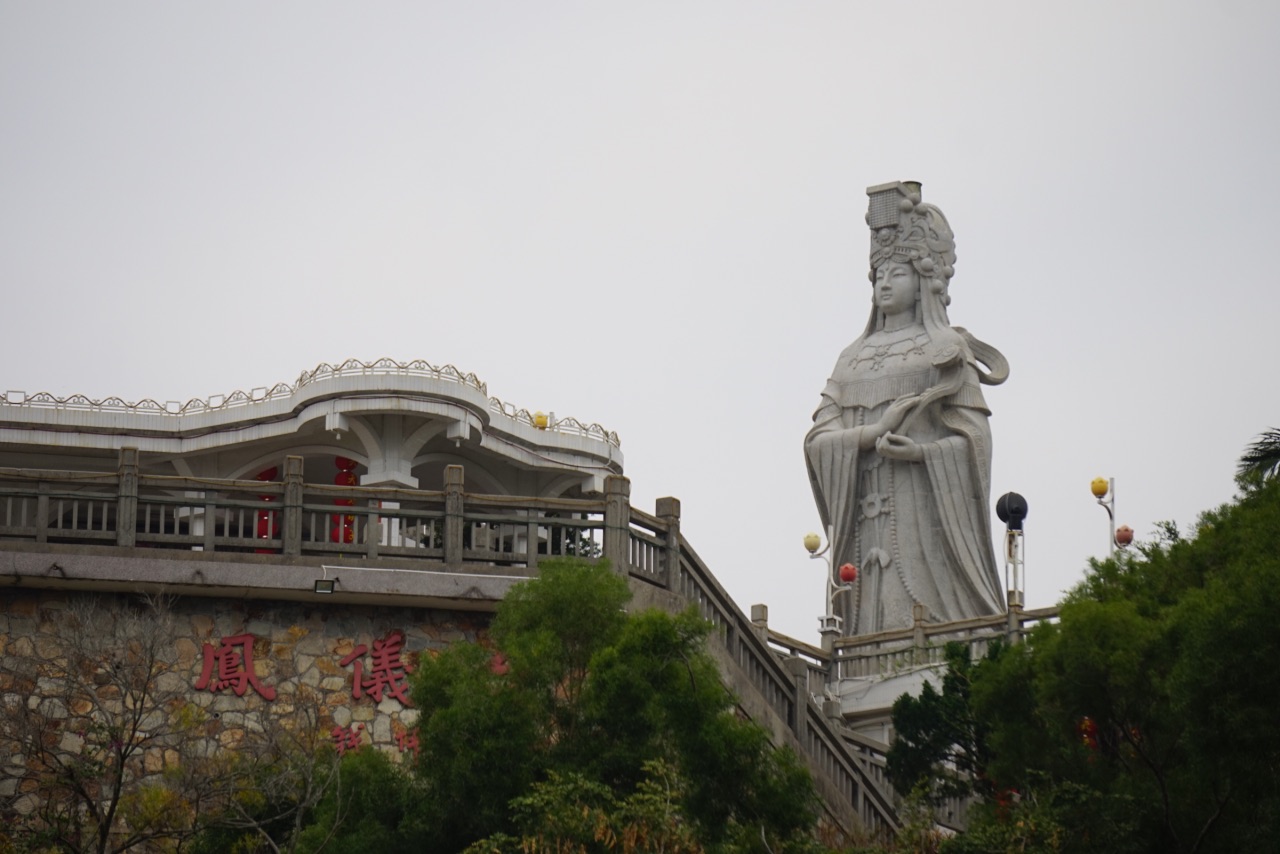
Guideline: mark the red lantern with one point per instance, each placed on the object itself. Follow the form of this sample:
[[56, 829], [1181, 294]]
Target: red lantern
[[848, 573], [1088, 733], [343, 528], [268, 522], [1124, 536]]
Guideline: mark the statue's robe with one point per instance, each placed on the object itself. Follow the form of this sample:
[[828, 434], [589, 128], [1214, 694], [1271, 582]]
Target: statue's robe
[[919, 532]]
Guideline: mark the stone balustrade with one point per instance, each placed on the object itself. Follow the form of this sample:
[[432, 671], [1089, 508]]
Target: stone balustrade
[[245, 556]]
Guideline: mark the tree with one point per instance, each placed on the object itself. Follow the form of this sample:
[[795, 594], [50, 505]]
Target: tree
[[1144, 719], [114, 757], [568, 812], [368, 810], [110, 753], [1261, 460], [939, 746], [288, 766], [586, 711]]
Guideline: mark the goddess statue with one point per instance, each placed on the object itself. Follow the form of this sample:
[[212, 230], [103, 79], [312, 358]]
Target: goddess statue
[[899, 455]]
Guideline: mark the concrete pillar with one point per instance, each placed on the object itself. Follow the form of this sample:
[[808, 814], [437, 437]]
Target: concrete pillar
[[531, 539], [668, 510], [829, 630], [453, 506], [617, 523], [42, 512], [760, 619], [390, 459], [127, 498], [799, 670], [291, 532], [209, 524], [919, 643]]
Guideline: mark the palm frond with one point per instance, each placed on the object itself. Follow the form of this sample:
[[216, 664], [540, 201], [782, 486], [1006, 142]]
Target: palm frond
[[1261, 460]]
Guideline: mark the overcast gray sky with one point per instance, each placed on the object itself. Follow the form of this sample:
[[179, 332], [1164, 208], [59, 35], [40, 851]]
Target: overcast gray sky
[[650, 215]]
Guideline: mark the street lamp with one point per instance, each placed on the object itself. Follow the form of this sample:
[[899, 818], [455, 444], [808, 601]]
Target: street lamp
[[829, 625], [1012, 510], [1105, 491]]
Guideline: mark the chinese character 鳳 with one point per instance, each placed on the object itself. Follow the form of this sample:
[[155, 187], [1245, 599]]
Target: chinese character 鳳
[[233, 661]]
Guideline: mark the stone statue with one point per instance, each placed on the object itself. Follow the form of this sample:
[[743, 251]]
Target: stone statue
[[900, 451]]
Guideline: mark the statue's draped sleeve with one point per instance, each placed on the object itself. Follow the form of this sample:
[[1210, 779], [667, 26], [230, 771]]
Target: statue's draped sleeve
[[831, 454], [959, 468]]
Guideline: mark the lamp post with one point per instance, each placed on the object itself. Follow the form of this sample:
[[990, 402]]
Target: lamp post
[[829, 625], [1012, 510], [1105, 491]]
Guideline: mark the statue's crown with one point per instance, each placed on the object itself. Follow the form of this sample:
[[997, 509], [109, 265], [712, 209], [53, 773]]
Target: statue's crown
[[906, 229]]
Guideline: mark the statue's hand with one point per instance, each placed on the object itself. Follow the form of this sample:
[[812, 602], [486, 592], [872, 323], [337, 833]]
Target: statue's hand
[[897, 411], [897, 447]]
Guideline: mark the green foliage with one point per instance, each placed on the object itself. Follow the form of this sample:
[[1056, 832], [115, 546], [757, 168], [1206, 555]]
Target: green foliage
[[1062, 818], [1144, 719], [570, 813], [369, 811], [656, 694], [481, 743], [549, 628], [1260, 461], [940, 747], [563, 745]]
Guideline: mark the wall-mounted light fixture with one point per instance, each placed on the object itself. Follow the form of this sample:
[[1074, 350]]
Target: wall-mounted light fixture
[[325, 584]]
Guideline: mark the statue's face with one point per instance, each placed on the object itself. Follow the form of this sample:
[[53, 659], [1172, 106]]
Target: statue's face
[[896, 288]]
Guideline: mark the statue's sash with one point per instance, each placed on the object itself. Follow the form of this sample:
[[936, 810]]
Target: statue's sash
[[870, 393]]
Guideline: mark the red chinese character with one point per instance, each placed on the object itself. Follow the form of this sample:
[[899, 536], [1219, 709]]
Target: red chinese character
[[346, 738], [387, 673], [408, 740], [234, 660]]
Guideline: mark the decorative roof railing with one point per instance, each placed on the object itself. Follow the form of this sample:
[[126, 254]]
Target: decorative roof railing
[[324, 371], [561, 425], [415, 368]]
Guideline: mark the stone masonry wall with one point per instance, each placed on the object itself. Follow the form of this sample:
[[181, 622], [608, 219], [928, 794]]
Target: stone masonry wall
[[295, 649]]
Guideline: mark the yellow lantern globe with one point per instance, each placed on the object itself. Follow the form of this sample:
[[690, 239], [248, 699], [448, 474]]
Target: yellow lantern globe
[[812, 541], [1099, 487]]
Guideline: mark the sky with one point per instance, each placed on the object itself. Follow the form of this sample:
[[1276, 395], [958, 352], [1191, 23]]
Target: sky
[[650, 216]]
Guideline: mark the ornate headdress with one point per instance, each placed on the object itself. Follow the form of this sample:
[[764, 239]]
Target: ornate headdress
[[903, 228]]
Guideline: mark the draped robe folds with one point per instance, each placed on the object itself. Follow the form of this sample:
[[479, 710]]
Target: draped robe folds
[[919, 532]]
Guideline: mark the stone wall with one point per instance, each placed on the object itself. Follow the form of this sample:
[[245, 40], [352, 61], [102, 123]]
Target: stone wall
[[295, 651]]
